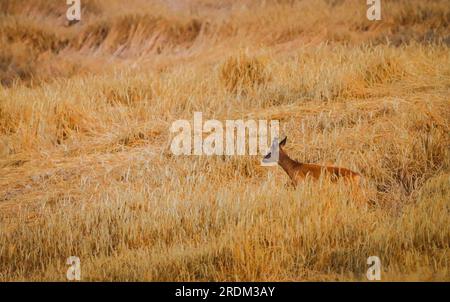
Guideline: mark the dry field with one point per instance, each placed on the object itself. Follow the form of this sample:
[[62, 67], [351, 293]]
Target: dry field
[[85, 162]]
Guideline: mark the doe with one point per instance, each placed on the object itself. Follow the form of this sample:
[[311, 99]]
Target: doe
[[299, 171]]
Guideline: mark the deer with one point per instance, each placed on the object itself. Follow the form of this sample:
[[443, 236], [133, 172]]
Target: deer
[[298, 172]]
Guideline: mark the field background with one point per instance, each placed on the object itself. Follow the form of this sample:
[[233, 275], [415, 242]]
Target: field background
[[86, 169]]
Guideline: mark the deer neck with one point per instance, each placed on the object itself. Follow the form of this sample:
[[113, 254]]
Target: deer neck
[[289, 166]]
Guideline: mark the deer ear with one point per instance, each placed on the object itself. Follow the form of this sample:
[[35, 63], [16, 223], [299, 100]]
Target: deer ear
[[283, 142]]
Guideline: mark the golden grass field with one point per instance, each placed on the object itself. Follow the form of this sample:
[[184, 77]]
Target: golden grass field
[[85, 162]]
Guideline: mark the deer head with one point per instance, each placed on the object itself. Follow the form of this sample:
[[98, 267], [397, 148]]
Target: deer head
[[272, 157]]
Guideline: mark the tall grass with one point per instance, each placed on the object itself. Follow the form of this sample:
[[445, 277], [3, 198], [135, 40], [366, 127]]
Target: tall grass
[[86, 169]]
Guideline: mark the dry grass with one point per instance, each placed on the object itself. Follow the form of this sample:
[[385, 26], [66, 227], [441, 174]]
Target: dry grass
[[86, 169], [241, 73]]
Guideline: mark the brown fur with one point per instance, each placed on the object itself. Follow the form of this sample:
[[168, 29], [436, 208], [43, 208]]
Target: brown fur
[[299, 171]]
